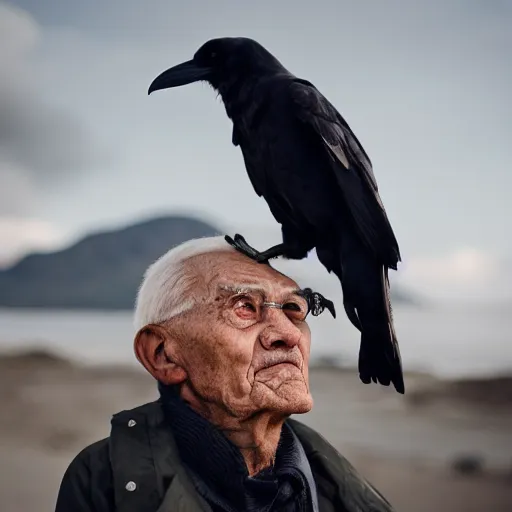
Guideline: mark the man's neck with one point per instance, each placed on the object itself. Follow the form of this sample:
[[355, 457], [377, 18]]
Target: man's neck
[[257, 440], [257, 437]]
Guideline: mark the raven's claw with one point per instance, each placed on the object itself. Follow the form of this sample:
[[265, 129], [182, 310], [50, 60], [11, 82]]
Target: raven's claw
[[317, 302], [242, 246], [330, 306]]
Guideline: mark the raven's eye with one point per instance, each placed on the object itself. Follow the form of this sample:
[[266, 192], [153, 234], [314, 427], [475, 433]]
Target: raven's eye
[[213, 55]]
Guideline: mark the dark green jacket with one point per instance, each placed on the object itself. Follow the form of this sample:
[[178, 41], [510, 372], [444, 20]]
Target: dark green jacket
[[137, 469]]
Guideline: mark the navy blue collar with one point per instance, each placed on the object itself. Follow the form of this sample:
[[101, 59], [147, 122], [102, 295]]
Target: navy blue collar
[[219, 470]]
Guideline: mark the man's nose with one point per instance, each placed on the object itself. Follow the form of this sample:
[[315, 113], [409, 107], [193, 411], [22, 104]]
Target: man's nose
[[281, 332]]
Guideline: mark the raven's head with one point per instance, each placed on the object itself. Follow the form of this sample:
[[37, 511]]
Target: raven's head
[[221, 62]]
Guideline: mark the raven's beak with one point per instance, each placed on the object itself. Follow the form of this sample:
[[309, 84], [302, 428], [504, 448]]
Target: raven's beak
[[182, 74]]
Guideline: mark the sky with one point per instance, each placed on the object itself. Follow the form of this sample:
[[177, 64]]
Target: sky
[[424, 85]]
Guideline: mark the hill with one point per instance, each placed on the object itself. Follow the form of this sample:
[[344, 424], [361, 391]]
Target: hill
[[104, 270]]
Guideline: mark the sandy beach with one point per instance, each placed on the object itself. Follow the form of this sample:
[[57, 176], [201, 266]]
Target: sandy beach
[[444, 447]]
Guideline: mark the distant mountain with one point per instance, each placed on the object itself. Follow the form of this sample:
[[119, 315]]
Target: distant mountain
[[104, 270]]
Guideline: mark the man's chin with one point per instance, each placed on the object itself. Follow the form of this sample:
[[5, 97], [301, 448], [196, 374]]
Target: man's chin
[[291, 397], [300, 406]]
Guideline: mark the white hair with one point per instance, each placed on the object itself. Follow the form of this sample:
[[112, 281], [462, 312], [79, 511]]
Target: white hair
[[166, 289]]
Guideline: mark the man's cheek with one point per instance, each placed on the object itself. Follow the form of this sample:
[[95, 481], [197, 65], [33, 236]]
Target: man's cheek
[[203, 364], [305, 349]]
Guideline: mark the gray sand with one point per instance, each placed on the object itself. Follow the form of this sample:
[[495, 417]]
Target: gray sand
[[52, 409]]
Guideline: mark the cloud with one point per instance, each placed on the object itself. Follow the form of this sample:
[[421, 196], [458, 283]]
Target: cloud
[[45, 141], [465, 273], [40, 143], [18, 194], [461, 266], [22, 235], [414, 84]]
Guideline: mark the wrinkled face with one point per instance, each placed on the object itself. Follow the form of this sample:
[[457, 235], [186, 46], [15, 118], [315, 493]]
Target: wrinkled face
[[240, 352]]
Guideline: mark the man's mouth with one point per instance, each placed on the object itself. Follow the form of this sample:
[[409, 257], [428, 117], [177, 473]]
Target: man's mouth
[[275, 374], [282, 360]]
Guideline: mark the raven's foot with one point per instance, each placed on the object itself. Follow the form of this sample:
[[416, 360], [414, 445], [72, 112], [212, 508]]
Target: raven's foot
[[242, 246], [317, 302]]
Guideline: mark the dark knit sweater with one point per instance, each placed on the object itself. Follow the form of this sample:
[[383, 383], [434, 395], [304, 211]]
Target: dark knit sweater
[[220, 474]]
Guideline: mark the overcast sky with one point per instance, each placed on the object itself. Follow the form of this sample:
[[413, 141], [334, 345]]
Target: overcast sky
[[425, 86]]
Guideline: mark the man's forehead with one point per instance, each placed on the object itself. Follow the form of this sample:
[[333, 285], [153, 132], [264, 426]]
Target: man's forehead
[[233, 271], [264, 280]]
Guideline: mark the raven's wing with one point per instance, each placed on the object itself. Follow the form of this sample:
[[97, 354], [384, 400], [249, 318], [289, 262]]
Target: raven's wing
[[257, 178], [352, 168]]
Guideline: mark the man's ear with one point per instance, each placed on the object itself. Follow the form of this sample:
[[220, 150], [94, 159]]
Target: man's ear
[[151, 347]]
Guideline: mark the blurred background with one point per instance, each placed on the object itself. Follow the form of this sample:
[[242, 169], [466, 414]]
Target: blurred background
[[97, 180]]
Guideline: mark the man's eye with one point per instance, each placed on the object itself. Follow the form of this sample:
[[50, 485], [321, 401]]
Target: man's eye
[[295, 310], [245, 306]]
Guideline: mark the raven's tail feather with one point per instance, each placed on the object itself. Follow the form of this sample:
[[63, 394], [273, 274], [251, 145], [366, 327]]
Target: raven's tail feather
[[379, 354], [366, 297]]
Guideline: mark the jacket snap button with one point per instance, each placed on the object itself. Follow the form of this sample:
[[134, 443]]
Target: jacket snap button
[[132, 423], [131, 486]]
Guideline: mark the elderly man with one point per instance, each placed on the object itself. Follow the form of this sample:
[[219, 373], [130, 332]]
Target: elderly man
[[227, 340]]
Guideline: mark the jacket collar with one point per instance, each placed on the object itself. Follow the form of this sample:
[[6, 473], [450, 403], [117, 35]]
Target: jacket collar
[[218, 467], [143, 452]]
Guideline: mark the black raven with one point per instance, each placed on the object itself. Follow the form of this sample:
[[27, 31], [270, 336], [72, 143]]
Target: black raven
[[317, 179]]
